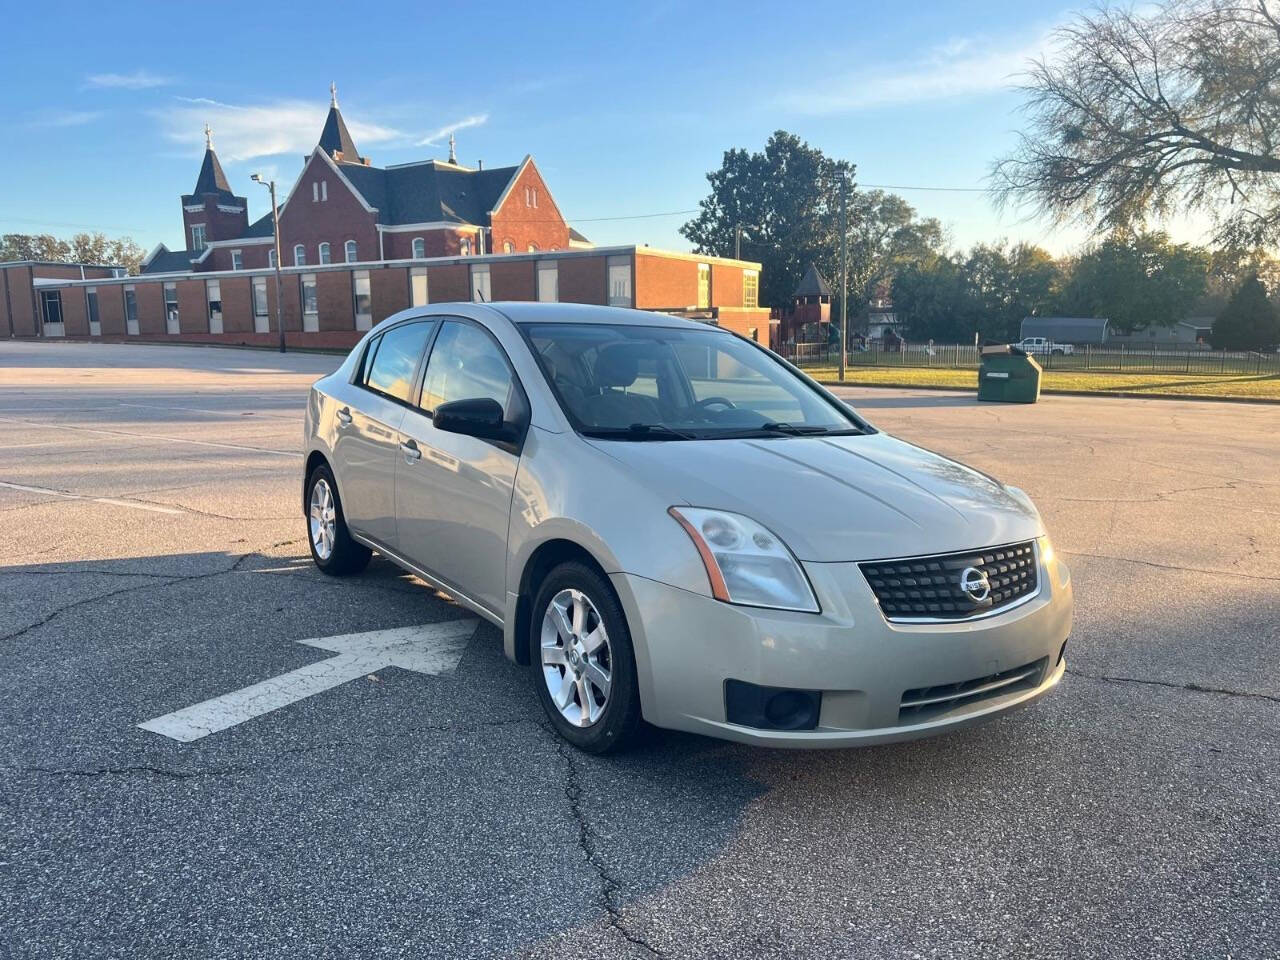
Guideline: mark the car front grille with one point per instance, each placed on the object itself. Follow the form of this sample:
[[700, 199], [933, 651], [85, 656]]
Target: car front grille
[[924, 703], [930, 588]]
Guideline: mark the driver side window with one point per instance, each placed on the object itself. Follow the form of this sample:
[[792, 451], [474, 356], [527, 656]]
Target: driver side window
[[467, 364]]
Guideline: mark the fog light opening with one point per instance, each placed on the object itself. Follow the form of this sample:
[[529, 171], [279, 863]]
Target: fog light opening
[[771, 708]]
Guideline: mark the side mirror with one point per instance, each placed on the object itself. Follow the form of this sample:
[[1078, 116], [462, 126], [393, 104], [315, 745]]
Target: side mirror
[[479, 417]]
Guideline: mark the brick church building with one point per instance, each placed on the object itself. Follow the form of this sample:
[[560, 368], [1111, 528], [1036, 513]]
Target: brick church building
[[343, 209]]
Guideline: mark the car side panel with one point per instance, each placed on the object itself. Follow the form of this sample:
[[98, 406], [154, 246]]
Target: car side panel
[[364, 460]]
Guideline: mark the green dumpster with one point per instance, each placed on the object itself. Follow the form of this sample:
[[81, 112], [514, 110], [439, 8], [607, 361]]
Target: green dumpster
[[1008, 375]]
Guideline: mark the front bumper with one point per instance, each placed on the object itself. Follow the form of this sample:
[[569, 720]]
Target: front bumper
[[688, 645]]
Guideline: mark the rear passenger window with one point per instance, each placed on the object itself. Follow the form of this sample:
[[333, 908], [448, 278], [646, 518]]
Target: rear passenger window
[[390, 365]]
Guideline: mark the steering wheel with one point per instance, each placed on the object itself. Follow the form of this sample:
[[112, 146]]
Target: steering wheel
[[717, 401]]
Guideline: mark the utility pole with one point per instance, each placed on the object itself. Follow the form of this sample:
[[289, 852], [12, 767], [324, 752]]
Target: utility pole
[[844, 272], [275, 234], [737, 241]]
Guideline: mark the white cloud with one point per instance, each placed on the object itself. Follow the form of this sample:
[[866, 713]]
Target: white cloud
[[67, 118], [138, 80], [962, 66], [434, 139], [264, 130]]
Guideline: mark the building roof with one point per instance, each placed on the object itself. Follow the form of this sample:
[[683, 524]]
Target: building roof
[[812, 284], [335, 138], [262, 227], [211, 179], [164, 260], [576, 237], [1067, 329], [430, 192]]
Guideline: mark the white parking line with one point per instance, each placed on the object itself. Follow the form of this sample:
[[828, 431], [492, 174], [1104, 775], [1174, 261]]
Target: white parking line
[[131, 504], [150, 436], [434, 648]]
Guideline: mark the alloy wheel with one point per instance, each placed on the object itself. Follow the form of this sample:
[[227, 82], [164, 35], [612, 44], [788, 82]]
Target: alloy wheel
[[577, 661], [323, 519]]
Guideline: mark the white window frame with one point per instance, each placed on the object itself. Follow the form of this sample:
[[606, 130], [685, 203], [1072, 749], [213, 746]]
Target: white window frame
[[548, 281], [620, 292], [52, 328], [212, 287], [261, 320], [237, 259], [419, 248], [299, 255], [531, 197], [508, 246], [310, 318], [200, 239], [754, 287], [271, 258], [315, 191], [324, 191], [464, 246], [172, 312], [130, 292], [481, 285], [704, 286], [323, 251], [93, 311], [419, 292], [351, 251], [364, 321]]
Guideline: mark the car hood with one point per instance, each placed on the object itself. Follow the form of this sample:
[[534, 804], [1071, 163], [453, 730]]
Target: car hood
[[837, 498]]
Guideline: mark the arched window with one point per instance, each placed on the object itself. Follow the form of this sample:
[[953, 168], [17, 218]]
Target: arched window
[[324, 253], [271, 258], [508, 246], [533, 248], [464, 246], [299, 255], [419, 248], [353, 254]]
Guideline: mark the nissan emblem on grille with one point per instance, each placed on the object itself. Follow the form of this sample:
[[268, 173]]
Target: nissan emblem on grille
[[955, 586]]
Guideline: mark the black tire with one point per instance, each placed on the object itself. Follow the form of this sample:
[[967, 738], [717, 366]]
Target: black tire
[[619, 722], [346, 557]]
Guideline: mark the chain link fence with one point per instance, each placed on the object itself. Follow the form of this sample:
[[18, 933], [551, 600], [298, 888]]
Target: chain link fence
[[960, 356]]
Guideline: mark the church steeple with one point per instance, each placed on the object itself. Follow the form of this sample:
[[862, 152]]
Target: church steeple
[[335, 139], [211, 179]]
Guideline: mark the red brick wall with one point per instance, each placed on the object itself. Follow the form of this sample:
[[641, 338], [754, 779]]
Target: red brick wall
[[513, 280], [744, 320], [291, 292], [439, 243], [663, 284], [111, 310], [193, 307], [390, 291], [334, 299], [237, 304], [524, 224], [334, 221], [150, 298], [23, 319], [253, 257], [218, 225], [449, 283], [74, 314], [583, 280], [726, 285]]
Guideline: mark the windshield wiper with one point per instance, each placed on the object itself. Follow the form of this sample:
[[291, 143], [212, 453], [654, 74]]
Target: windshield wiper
[[640, 431], [792, 429]]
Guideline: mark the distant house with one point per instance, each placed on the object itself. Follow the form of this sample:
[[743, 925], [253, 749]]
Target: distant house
[[882, 320], [1075, 330], [1185, 334]]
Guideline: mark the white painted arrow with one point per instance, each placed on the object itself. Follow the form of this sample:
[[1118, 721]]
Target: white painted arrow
[[433, 648]]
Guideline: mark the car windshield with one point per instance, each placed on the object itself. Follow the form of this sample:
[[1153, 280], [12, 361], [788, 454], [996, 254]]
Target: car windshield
[[629, 382]]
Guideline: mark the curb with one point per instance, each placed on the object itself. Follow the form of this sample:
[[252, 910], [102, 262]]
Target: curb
[[1123, 394]]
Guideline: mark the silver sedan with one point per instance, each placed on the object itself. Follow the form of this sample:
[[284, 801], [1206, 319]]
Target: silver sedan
[[671, 524]]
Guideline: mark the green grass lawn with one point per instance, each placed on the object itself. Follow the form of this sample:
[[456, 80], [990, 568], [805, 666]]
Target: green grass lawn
[[1255, 387]]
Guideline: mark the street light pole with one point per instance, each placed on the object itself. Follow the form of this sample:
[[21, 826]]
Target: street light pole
[[275, 239], [737, 241]]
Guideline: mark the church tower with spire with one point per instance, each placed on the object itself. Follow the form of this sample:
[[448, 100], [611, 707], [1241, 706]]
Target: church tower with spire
[[335, 138], [212, 211]]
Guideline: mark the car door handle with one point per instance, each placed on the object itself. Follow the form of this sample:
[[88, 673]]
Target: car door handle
[[410, 451], [344, 416]]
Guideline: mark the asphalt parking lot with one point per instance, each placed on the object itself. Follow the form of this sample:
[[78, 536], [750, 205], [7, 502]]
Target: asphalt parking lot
[[152, 556]]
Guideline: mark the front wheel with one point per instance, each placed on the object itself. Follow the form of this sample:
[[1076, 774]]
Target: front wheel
[[332, 548], [583, 663]]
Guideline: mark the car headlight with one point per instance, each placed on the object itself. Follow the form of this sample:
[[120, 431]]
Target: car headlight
[[746, 562]]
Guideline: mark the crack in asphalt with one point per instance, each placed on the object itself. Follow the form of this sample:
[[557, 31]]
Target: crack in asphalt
[[588, 842], [168, 582], [1166, 566], [135, 770], [1174, 685]]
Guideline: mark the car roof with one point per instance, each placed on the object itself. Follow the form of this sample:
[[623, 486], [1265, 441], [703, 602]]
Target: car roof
[[523, 311]]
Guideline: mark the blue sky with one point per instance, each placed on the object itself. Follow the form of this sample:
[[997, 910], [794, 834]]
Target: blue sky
[[625, 107]]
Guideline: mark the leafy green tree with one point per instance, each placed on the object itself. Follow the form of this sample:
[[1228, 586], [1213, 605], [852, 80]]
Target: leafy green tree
[[1249, 321], [93, 248], [884, 235], [786, 198], [1156, 110], [26, 246], [1137, 280], [935, 301]]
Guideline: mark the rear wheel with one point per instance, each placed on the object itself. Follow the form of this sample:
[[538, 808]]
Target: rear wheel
[[583, 662], [332, 548]]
